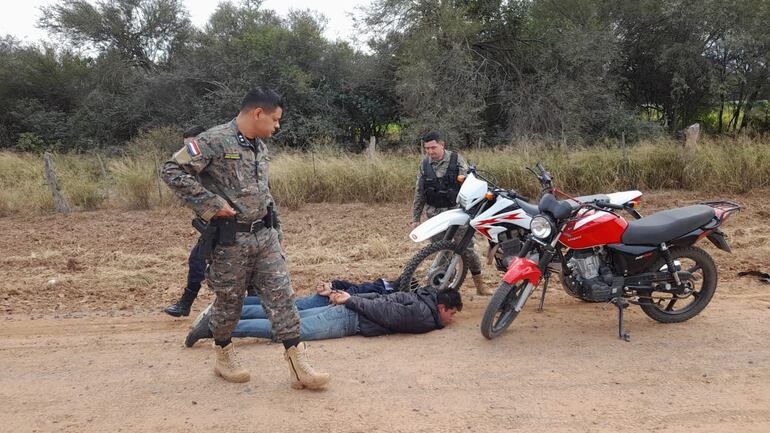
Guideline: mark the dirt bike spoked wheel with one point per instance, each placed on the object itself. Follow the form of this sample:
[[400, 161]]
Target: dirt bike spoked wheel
[[678, 305], [501, 311], [430, 266]]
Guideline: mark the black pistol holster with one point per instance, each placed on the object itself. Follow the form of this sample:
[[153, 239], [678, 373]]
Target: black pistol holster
[[227, 228], [209, 236], [270, 220]]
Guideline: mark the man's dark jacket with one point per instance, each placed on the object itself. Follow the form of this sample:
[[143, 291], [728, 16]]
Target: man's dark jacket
[[404, 312]]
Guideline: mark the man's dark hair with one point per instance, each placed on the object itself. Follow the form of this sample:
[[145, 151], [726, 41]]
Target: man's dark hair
[[266, 99], [193, 132], [450, 298], [432, 135]]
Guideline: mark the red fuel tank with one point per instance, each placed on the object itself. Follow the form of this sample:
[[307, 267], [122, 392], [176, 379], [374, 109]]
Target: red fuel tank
[[592, 229]]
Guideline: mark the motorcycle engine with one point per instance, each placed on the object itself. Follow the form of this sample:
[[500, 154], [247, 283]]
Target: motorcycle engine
[[590, 277], [506, 251]]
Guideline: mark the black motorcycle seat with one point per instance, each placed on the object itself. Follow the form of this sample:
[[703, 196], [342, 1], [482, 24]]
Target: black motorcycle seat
[[667, 225], [530, 209]]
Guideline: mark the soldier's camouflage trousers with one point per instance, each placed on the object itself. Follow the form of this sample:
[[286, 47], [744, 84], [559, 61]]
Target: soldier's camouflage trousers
[[255, 258]]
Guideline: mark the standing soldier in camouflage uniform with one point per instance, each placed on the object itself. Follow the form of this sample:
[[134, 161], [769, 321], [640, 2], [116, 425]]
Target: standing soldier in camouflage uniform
[[436, 191], [223, 177]]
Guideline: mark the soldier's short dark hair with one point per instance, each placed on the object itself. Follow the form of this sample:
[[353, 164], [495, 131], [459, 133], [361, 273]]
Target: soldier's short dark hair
[[450, 298], [431, 136], [266, 99], [193, 132]]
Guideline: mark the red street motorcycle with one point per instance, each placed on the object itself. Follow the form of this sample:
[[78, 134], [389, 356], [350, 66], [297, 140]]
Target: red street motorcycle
[[651, 262]]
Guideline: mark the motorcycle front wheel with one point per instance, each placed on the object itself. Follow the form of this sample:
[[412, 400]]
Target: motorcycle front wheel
[[500, 312], [430, 265]]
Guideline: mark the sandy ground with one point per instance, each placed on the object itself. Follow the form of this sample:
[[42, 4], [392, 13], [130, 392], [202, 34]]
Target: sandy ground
[[83, 346]]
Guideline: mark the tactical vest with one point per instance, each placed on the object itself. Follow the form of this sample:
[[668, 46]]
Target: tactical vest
[[441, 192]]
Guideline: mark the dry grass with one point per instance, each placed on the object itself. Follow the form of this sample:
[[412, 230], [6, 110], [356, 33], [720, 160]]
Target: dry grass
[[328, 175]]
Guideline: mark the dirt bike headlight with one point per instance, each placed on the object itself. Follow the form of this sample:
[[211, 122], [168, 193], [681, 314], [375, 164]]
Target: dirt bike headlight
[[541, 227]]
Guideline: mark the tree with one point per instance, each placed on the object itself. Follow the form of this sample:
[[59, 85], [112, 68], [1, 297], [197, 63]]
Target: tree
[[143, 32]]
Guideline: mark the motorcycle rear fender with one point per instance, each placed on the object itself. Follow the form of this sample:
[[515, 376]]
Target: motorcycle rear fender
[[624, 197], [439, 224], [709, 231], [718, 239], [522, 268]]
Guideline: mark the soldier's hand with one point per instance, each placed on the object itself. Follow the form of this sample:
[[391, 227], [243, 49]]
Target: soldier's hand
[[414, 224], [225, 212], [324, 288]]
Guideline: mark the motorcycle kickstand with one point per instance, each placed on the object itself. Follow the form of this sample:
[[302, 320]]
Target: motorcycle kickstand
[[542, 295], [622, 304]]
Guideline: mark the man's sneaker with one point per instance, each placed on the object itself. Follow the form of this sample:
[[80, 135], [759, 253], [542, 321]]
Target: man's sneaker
[[200, 328]]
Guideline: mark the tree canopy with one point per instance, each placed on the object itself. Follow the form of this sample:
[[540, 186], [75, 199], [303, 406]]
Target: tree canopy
[[484, 72]]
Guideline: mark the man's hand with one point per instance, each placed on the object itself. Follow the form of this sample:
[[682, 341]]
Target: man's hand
[[339, 297], [225, 212], [324, 288], [414, 224]]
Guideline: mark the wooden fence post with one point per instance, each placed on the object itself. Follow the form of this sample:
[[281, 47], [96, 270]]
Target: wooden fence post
[[692, 134], [50, 176], [371, 151]]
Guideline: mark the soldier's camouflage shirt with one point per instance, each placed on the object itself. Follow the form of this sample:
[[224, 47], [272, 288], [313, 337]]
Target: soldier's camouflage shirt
[[219, 166]]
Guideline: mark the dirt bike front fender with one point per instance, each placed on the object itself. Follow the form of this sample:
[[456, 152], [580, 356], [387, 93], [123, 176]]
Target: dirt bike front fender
[[522, 268], [439, 224]]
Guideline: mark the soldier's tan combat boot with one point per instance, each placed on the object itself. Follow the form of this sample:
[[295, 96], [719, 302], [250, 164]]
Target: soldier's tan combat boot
[[302, 373], [227, 365], [481, 289]]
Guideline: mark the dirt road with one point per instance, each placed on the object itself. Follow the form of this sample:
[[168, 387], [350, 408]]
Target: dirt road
[[90, 352]]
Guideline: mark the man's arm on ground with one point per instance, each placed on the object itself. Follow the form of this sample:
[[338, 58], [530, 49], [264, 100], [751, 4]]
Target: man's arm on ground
[[358, 289]]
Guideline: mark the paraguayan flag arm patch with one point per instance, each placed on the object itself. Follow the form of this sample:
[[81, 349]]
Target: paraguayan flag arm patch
[[193, 149]]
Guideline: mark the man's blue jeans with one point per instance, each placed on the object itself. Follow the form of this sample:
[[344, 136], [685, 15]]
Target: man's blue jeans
[[330, 321]]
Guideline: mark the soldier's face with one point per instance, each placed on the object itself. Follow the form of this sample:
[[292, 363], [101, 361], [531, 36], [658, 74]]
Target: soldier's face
[[434, 149], [267, 122]]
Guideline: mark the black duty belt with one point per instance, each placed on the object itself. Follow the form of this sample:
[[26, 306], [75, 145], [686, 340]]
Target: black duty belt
[[250, 227]]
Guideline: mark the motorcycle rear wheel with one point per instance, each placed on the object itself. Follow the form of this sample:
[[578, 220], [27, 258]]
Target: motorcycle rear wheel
[[500, 312], [429, 266], [702, 285]]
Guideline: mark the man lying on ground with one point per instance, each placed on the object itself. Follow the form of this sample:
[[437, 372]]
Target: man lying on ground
[[368, 314]]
